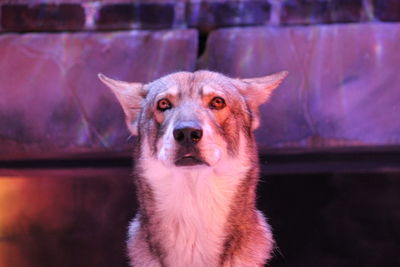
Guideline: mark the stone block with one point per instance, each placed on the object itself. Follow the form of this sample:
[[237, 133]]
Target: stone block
[[348, 219], [42, 17], [51, 99], [342, 87], [322, 11], [345, 11], [139, 15], [388, 10], [65, 217], [305, 12], [214, 14], [355, 88]]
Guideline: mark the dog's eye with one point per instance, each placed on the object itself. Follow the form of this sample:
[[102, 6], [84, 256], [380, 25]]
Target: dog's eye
[[163, 104], [217, 103]]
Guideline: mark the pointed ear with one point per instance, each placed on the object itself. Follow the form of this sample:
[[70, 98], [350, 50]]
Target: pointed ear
[[258, 90], [130, 96]]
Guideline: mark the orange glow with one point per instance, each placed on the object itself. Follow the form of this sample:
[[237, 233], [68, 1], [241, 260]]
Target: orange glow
[[31, 205]]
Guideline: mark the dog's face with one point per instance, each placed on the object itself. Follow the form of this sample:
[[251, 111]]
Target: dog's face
[[193, 119]]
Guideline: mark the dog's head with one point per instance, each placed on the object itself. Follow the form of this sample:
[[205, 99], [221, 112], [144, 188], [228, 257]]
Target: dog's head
[[190, 119]]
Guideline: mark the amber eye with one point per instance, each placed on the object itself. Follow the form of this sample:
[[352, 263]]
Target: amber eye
[[163, 104], [217, 103]]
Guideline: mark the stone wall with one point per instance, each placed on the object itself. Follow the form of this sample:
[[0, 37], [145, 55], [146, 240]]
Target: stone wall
[[342, 57], [205, 15]]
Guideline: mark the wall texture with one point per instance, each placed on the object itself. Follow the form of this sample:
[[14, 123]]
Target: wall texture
[[342, 57]]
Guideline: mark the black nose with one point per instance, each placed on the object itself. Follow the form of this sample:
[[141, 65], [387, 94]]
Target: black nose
[[188, 135]]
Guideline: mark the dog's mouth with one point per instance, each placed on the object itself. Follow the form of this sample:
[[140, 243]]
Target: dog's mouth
[[189, 160]]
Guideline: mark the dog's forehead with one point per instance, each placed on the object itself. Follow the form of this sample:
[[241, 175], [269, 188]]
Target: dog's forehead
[[193, 84]]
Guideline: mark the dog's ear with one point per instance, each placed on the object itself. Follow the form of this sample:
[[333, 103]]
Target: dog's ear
[[130, 96], [258, 90]]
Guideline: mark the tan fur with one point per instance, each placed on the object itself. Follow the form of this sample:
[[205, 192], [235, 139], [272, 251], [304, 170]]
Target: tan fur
[[196, 169]]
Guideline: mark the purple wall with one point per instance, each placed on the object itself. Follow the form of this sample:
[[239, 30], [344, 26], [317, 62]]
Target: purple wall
[[343, 87]]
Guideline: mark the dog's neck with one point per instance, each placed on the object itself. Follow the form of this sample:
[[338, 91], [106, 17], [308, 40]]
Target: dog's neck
[[192, 206]]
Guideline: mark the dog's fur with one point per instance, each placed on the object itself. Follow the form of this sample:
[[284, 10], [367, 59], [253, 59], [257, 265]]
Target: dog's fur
[[196, 169]]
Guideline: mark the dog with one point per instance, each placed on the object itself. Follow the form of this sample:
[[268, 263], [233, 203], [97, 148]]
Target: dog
[[196, 169]]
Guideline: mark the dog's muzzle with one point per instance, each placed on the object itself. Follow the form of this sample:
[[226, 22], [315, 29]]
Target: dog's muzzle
[[187, 135]]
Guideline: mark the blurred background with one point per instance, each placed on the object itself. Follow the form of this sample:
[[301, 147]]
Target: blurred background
[[329, 141]]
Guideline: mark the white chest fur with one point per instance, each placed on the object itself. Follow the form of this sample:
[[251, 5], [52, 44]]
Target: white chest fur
[[192, 206]]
